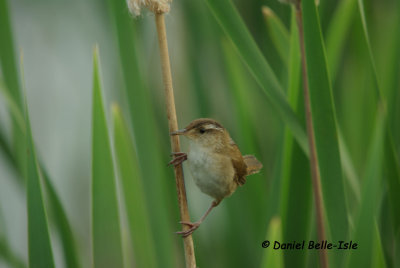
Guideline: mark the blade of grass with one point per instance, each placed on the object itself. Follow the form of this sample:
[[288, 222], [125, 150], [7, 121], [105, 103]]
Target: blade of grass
[[391, 66], [296, 184], [10, 75], [253, 203], [39, 247], [378, 259], [13, 107], [71, 256], [364, 229], [368, 43], [392, 173], [6, 149], [338, 29], [348, 167], [231, 22], [387, 231], [335, 40], [324, 121], [392, 164], [196, 38], [135, 203], [239, 85], [58, 213], [147, 140], [107, 248], [7, 54], [278, 32], [273, 258]]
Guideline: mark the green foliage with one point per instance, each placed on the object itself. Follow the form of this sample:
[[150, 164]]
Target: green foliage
[[221, 52], [145, 131], [10, 75], [279, 33], [107, 248], [324, 123], [135, 201], [233, 25], [273, 258], [39, 247], [296, 181], [365, 225]]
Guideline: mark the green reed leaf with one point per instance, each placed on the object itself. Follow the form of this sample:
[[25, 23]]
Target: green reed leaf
[[133, 191], [107, 248], [39, 247], [324, 123]]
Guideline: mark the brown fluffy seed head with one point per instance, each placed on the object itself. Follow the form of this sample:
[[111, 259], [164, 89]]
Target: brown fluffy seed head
[[155, 6]]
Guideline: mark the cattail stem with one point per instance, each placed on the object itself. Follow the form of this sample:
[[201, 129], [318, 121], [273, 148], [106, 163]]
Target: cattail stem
[[173, 126], [315, 175]]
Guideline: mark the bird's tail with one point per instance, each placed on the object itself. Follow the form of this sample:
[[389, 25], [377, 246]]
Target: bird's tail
[[253, 165]]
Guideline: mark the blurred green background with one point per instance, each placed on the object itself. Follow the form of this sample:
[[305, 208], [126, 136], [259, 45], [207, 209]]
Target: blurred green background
[[54, 41]]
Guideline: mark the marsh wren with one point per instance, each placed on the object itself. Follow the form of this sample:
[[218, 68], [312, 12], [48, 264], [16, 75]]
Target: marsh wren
[[216, 164]]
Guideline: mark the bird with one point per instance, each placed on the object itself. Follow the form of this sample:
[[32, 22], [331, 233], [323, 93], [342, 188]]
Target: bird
[[215, 162]]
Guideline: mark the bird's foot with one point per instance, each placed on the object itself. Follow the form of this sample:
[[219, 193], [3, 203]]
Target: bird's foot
[[179, 158], [193, 226]]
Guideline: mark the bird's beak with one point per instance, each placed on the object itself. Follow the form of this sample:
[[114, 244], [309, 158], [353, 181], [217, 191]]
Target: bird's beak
[[178, 132]]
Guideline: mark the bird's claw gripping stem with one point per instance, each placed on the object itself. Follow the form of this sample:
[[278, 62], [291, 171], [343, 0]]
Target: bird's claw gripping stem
[[179, 158], [193, 226]]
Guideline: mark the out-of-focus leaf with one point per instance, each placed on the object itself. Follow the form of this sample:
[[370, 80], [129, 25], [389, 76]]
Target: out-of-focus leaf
[[7, 54], [39, 248], [62, 223], [7, 255], [107, 248], [324, 123], [14, 108], [348, 167], [135, 202], [61, 220], [392, 163], [146, 134], [372, 188], [296, 182], [10, 75], [239, 87], [273, 258], [6, 252], [234, 27], [254, 194], [71, 256], [368, 43], [6, 149], [378, 259], [278, 32], [337, 32]]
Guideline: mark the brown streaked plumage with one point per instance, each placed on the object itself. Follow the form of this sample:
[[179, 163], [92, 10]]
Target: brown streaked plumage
[[215, 161]]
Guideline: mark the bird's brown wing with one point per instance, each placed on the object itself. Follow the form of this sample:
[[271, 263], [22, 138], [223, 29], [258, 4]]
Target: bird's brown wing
[[238, 164]]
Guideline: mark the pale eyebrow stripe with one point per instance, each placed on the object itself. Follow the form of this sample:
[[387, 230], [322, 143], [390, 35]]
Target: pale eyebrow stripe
[[212, 126]]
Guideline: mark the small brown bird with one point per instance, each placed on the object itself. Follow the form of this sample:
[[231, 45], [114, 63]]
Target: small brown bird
[[216, 164]]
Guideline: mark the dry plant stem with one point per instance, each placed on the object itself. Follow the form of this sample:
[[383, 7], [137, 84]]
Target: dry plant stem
[[173, 126], [315, 175]]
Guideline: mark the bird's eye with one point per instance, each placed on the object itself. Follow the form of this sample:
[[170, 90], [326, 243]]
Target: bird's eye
[[202, 130]]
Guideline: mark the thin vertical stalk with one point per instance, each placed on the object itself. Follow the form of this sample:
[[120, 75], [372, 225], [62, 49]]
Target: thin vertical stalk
[[173, 126], [315, 175]]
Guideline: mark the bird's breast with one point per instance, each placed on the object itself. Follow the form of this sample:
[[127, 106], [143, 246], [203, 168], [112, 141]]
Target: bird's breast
[[213, 173]]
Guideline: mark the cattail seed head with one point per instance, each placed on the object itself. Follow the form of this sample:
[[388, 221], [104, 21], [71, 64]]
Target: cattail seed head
[[155, 6]]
